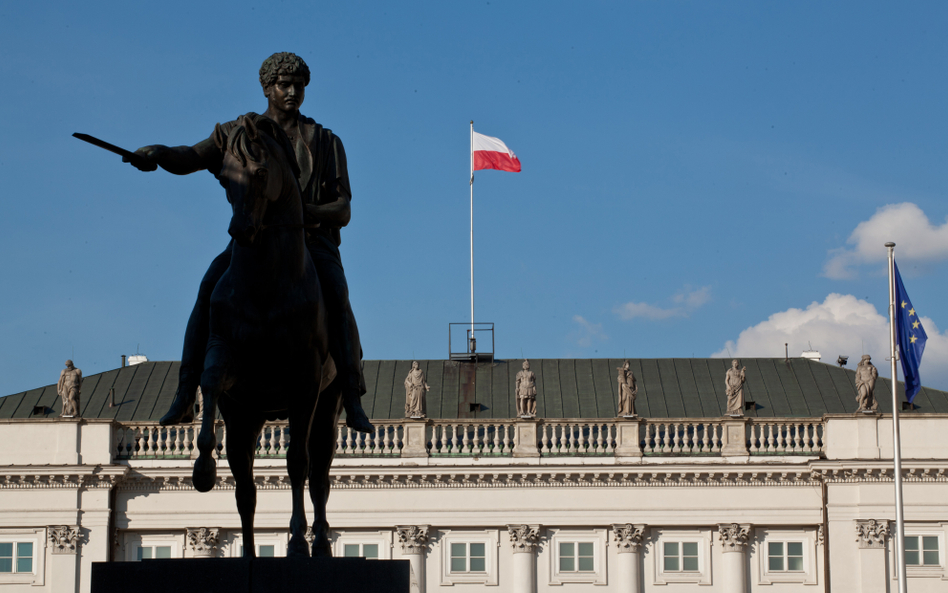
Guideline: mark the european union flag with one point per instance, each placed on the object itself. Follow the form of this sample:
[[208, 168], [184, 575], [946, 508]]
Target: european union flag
[[911, 337]]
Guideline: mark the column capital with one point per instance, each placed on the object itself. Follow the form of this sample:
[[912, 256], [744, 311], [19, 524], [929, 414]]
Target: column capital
[[414, 538], [63, 539], [628, 537], [524, 538], [733, 536], [202, 541], [871, 533]]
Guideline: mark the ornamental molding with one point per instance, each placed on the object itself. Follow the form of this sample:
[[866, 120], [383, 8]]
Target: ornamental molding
[[414, 538], [871, 533], [203, 541], [820, 536], [733, 536], [63, 539], [30, 481], [628, 537], [524, 538]]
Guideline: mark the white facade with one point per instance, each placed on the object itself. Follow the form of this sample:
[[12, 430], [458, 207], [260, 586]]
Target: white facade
[[714, 505]]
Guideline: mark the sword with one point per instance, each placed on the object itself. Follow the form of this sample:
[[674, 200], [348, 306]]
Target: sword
[[133, 158]]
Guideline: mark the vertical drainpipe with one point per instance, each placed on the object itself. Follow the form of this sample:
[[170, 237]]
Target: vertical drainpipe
[[826, 556]]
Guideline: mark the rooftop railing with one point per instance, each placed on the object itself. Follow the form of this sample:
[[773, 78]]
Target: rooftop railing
[[509, 437]]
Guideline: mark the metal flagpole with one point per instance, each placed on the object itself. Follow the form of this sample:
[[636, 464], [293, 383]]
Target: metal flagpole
[[472, 235], [896, 439]]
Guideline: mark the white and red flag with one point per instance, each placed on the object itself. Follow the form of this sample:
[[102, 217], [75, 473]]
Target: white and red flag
[[492, 153]]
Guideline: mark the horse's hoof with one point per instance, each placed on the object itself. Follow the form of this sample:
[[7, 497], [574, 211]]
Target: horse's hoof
[[204, 475], [297, 548], [356, 418], [181, 410], [322, 549]]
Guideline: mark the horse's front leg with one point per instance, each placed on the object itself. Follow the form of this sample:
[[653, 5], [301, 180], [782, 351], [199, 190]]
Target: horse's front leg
[[322, 447], [297, 465], [213, 382], [242, 434]]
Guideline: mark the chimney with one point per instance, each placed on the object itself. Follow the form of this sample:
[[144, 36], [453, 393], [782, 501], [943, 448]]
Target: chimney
[[123, 361]]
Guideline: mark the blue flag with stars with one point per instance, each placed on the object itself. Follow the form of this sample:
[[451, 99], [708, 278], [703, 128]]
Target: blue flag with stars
[[911, 337]]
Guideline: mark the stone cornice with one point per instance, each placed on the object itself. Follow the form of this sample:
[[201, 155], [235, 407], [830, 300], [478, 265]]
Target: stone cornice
[[33, 477]]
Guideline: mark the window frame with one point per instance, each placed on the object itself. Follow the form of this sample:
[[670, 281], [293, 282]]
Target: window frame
[[36, 536], [491, 540], [920, 530], [235, 541], [597, 537], [763, 537], [381, 538], [703, 537], [134, 541]]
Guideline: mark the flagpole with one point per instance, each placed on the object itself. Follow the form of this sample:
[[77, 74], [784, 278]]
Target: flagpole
[[896, 438], [472, 236]]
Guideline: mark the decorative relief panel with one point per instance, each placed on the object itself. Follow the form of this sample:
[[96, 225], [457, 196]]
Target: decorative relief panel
[[733, 536], [524, 538], [871, 533], [63, 539], [414, 538], [203, 541], [628, 537]]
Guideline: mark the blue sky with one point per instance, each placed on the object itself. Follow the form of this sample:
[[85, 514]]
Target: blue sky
[[698, 178]]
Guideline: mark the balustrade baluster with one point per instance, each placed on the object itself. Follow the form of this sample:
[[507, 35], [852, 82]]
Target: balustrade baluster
[[808, 429]]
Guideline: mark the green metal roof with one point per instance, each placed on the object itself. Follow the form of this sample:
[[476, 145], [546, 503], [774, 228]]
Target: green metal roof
[[566, 388]]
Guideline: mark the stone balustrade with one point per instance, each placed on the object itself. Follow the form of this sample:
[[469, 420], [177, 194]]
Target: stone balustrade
[[511, 437]]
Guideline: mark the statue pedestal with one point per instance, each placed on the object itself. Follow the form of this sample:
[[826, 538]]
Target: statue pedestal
[[260, 575]]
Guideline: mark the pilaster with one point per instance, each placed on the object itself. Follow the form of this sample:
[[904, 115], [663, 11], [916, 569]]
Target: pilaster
[[414, 543]]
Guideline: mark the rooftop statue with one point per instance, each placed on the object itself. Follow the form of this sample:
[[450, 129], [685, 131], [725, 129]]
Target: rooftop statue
[[68, 388], [526, 390], [734, 383], [627, 391], [416, 387], [866, 375], [274, 305]]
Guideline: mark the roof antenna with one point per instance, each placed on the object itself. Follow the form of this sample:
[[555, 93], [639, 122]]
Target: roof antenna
[[786, 352], [728, 351]]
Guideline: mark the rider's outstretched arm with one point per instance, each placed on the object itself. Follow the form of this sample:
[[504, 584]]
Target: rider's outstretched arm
[[180, 160]]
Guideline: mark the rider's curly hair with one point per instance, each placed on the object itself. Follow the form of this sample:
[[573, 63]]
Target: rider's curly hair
[[283, 63]]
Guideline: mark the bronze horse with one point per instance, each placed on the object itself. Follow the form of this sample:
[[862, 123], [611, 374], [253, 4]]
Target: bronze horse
[[267, 357]]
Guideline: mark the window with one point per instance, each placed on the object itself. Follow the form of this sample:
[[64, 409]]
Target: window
[[468, 557], [262, 550], [577, 557], [153, 552], [785, 556], [23, 556], [267, 544], [922, 551], [370, 551], [680, 556], [373, 545], [16, 557]]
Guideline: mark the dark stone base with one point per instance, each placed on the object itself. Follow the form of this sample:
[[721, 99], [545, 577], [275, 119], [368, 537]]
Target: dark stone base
[[261, 575]]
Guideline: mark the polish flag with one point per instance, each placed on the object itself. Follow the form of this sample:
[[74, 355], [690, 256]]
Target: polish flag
[[492, 153]]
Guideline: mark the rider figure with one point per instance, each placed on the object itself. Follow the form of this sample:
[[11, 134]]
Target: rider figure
[[324, 182]]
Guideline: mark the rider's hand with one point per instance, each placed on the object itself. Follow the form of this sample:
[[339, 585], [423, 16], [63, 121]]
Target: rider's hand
[[149, 157]]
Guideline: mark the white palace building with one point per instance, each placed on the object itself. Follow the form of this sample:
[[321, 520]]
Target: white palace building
[[797, 496]]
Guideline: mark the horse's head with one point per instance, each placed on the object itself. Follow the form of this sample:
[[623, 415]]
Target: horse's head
[[258, 164]]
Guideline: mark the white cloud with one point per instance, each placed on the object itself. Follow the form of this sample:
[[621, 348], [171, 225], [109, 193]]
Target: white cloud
[[841, 324], [587, 332], [916, 238], [687, 300]]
